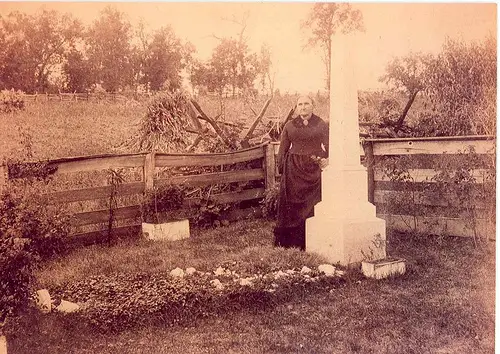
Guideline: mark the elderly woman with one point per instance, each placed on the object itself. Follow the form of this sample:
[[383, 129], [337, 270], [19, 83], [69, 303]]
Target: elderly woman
[[302, 155]]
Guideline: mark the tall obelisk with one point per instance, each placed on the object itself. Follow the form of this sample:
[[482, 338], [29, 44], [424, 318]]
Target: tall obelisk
[[345, 224]]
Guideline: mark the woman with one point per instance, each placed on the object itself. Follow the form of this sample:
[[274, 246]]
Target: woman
[[302, 155]]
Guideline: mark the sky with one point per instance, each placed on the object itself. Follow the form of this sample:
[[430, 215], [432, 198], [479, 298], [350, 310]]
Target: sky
[[392, 30]]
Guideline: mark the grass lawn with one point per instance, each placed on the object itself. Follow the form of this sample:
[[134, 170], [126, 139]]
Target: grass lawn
[[444, 304]]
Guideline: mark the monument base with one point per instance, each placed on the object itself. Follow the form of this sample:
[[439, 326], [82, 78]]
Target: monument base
[[346, 241]]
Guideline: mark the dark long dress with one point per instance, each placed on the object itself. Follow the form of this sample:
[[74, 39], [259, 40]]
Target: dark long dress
[[300, 187]]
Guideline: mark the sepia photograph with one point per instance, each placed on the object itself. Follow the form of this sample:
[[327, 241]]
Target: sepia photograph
[[247, 177]]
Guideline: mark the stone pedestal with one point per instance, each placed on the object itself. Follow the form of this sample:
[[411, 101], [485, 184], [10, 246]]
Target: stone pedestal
[[345, 228]]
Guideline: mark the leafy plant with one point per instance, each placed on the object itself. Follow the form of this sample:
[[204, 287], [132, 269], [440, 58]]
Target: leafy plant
[[159, 204], [11, 101], [269, 204], [210, 213]]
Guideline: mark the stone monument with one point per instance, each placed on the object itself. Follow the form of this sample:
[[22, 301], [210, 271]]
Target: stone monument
[[345, 228]]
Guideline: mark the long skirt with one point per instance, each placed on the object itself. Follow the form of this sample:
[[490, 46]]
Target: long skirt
[[300, 191]]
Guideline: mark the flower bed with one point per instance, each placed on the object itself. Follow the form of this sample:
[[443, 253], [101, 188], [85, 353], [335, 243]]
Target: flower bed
[[115, 303]]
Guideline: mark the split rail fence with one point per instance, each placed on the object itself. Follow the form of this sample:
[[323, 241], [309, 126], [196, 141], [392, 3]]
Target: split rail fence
[[430, 215]]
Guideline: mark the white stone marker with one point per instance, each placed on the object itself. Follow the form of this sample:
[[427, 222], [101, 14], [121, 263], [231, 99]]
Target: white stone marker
[[345, 223]]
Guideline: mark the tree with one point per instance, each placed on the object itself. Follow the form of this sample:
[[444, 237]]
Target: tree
[[33, 46], [407, 74], [110, 52], [78, 72], [327, 19], [265, 69], [163, 61], [462, 85]]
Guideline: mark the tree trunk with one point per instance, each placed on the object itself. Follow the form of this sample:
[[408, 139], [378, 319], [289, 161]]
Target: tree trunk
[[401, 119]]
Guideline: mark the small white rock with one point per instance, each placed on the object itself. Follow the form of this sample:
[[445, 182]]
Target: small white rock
[[177, 272], [327, 269], [217, 284], [246, 282], [339, 273], [219, 271], [290, 271], [279, 274], [43, 300], [305, 270], [190, 271], [67, 307]]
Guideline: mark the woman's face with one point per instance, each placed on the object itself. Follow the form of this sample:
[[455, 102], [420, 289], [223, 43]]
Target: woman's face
[[304, 106]]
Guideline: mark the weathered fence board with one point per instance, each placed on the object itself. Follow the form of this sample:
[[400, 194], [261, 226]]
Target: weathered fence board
[[214, 178], [76, 195], [449, 145], [176, 160], [95, 163]]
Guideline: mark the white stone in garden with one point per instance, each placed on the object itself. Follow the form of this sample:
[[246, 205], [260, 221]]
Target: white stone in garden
[[169, 231], [290, 271], [177, 272], [340, 273], [279, 274], [220, 271], [43, 300], [3, 345], [327, 269], [67, 307], [217, 284], [246, 282], [190, 271], [305, 270]]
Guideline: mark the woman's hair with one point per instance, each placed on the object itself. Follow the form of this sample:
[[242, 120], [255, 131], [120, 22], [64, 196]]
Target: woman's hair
[[306, 96]]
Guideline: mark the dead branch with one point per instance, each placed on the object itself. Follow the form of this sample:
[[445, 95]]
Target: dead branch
[[248, 134]]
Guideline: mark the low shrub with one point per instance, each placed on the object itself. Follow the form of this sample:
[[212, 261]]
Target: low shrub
[[11, 101], [269, 204], [30, 231]]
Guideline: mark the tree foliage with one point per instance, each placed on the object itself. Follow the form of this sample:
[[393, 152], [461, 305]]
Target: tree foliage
[[327, 19], [459, 83], [110, 53], [32, 46]]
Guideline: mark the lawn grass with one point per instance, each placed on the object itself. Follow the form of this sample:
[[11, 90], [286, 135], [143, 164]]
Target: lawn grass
[[444, 303]]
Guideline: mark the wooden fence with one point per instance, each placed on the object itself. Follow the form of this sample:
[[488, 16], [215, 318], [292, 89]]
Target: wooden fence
[[406, 204], [443, 186], [86, 96], [151, 166]]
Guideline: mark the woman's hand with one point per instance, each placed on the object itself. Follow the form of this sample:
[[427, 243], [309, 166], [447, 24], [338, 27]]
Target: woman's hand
[[323, 163]]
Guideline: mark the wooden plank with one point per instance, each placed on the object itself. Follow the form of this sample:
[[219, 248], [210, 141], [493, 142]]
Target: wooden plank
[[426, 175], [76, 195], [102, 216], [405, 206], [223, 198], [421, 146], [433, 161], [97, 163], [419, 197], [369, 164], [270, 167], [96, 237], [215, 178], [175, 160], [149, 171], [440, 226]]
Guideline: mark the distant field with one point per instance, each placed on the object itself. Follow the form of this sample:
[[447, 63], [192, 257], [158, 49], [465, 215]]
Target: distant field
[[64, 129]]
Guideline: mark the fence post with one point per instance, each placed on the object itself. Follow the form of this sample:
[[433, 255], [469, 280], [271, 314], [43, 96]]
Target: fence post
[[149, 171], [270, 166], [370, 161]]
